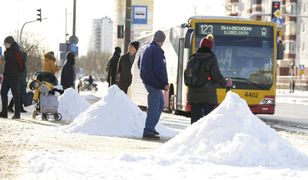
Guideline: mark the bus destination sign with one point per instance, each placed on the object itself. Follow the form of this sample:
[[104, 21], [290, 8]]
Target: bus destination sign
[[234, 30]]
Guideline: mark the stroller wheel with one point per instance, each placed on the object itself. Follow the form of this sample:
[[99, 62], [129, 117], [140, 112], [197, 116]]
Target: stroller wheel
[[34, 114], [45, 117], [57, 117]]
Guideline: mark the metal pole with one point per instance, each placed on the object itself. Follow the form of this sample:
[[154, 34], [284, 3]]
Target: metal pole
[[65, 25], [74, 19], [127, 24], [20, 35]]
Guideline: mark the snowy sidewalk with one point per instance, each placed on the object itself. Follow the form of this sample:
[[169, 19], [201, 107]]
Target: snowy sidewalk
[[298, 97]]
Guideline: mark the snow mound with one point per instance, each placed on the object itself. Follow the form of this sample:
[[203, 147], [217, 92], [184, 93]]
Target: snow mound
[[232, 135], [71, 104], [114, 115]]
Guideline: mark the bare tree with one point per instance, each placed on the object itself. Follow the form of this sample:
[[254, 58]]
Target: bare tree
[[94, 63], [32, 46]]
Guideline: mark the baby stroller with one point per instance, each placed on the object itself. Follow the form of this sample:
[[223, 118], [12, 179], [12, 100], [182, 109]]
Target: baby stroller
[[46, 102]]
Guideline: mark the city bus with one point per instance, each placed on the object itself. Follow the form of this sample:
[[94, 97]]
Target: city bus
[[246, 51]]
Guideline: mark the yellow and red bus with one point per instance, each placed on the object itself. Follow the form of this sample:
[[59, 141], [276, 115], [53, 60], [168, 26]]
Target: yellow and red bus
[[246, 51]]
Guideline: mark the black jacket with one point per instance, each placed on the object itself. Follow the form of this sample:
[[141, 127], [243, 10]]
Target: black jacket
[[207, 93], [112, 68], [124, 70], [14, 65], [68, 74]]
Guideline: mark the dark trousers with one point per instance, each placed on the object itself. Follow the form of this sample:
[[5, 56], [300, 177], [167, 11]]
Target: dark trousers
[[199, 110], [12, 102], [155, 108], [124, 87], [14, 85]]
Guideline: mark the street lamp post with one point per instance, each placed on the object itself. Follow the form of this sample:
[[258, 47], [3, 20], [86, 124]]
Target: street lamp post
[[127, 36]]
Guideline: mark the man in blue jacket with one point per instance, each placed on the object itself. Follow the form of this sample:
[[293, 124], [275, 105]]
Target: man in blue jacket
[[153, 73]]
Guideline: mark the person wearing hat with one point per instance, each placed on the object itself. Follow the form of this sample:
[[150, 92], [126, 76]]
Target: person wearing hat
[[49, 63], [14, 66], [68, 72], [153, 72], [126, 61], [204, 99], [112, 66]]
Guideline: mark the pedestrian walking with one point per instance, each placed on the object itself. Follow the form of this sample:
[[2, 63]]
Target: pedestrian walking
[[153, 73], [68, 72], [49, 63], [14, 65], [125, 65], [23, 89], [202, 96], [112, 66]]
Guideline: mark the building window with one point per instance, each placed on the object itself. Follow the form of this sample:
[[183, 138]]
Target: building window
[[303, 27], [291, 46], [291, 8], [303, 46], [290, 28]]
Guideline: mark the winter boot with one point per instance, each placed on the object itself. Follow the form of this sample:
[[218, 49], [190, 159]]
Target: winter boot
[[16, 117], [3, 115]]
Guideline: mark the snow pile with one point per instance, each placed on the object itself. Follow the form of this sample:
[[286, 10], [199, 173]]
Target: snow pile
[[71, 104], [94, 96], [114, 115], [232, 135]]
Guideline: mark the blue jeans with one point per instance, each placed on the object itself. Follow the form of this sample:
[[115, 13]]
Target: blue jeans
[[155, 108]]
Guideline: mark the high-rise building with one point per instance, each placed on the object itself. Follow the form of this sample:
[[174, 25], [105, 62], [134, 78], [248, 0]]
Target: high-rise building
[[295, 18], [142, 19], [101, 36]]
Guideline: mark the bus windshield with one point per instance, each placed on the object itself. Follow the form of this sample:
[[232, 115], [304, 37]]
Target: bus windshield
[[244, 54]]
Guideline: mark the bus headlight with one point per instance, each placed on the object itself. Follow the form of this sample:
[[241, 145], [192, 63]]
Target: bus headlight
[[268, 101]]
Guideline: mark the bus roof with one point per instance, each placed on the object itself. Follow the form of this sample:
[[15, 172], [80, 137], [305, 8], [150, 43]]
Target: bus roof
[[220, 17]]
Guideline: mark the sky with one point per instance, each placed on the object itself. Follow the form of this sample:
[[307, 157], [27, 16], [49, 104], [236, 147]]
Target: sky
[[51, 32]]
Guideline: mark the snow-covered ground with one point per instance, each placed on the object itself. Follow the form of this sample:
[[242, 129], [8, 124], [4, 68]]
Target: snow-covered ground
[[298, 97], [114, 115], [230, 143]]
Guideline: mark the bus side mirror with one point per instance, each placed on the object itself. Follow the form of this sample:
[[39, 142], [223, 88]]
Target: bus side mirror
[[188, 38], [280, 50]]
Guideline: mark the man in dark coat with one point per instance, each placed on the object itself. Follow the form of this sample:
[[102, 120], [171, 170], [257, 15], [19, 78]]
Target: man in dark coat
[[125, 66], [14, 66], [204, 99], [68, 72], [112, 66], [153, 72], [23, 89]]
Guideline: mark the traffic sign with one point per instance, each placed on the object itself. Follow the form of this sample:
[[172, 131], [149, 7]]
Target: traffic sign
[[73, 40], [278, 21], [277, 13]]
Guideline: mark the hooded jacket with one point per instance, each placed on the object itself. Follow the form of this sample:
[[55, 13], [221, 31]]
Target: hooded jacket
[[14, 62], [207, 93], [68, 72], [49, 63]]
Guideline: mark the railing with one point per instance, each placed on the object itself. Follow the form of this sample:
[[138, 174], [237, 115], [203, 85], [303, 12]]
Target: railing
[[284, 82]]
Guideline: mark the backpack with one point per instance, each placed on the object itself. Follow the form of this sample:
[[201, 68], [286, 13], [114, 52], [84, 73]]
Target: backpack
[[194, 74]]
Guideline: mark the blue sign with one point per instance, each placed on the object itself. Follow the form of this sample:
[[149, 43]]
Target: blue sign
[[278, 21], [0, 51], [74, 48], [140, 15]]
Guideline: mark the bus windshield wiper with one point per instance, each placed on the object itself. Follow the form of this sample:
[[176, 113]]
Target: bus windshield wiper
[[249, 81]]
